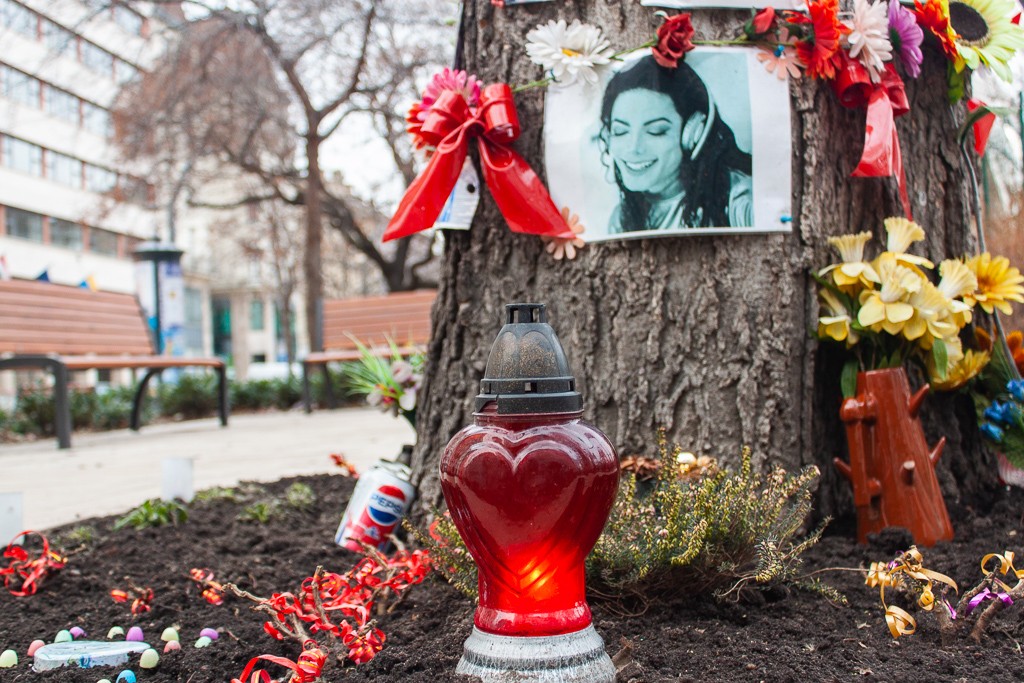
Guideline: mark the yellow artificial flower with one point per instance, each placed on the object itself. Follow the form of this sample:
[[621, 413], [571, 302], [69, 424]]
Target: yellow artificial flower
[[932, 319], [853, 270], [957, 282], [887, 308], [959, 373], [999, 283], [986, 34], [901, 234], [837, 324]]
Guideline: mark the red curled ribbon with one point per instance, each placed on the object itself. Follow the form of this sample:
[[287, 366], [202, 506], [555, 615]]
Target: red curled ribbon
[[519, 193], [24, 575], [884, 101]]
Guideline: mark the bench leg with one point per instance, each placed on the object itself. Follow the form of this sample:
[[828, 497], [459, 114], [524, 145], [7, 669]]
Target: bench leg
[[222, 395], [307, 390], [136, 421], [328, 387]]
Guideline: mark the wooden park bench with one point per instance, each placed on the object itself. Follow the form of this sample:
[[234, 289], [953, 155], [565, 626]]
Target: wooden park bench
[[374, 322], [59, 329]]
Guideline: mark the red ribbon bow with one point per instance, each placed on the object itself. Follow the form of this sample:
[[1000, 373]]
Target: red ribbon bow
[[884, 101], [519, 193]]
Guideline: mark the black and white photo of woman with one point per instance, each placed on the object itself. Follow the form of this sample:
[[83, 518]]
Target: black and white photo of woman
[[669, 152]]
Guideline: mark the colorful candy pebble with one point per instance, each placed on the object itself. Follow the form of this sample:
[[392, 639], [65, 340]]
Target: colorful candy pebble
[[209, 633], [77, 632], [169, 634], [103, 680], [63, 637], [135, 633], [149, 659], [36, 644], [203, 642], [171, 646], [8, 659], [126, 676], [114, 632]]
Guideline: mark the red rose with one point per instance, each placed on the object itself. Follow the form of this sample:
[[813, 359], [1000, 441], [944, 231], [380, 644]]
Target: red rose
[[763, 20], [673, 40]]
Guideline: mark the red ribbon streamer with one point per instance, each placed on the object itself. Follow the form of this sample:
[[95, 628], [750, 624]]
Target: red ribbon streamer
[[29, 573], [884, 101], [982, 127], [519, 193]]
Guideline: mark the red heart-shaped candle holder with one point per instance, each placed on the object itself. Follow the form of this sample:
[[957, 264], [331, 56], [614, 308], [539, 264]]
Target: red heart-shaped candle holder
[[530, 495]]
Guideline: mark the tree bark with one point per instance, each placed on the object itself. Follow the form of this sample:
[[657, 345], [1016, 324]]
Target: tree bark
[[709, 337]]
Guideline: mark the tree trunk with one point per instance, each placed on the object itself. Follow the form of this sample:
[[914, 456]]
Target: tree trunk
[[709, 337], [314, 242]]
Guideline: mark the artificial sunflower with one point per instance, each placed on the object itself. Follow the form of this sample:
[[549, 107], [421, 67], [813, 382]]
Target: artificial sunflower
[[853, 270], [999, 283], [934, 16], [986, 34], [959, 373]]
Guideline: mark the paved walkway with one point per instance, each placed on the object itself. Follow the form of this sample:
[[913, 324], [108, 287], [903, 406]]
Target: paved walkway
[[111, 472]]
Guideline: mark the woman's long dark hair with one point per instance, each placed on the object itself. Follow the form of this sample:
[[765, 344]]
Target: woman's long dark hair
[[705, 179]]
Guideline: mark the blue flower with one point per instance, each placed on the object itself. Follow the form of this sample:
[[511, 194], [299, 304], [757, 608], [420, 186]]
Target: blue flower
[[1016, 388], [1000, 413], [992, 432]]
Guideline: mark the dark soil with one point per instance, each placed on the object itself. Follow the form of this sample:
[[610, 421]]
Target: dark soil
[[784, 636]]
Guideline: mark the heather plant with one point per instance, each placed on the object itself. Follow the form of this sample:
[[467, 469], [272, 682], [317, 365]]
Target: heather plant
[[216, 493], [726, 532], [261, 511], [300, 497], [152, 513], [723, 531]]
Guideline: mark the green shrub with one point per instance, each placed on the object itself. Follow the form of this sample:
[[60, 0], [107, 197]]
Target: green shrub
[[113, 408], [35, 412], [256, 394], [260, 511], [193, 396], [216, 493], [75, 537], [300, 497], [83, 403], [288, 392], [723, 533], [154, 512], [726, 532]]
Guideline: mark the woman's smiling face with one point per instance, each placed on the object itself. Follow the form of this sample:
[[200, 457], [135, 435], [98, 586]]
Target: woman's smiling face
[[644, 142]]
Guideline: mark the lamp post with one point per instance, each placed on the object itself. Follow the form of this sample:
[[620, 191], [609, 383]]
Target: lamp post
[[156, 253], [530, 486]]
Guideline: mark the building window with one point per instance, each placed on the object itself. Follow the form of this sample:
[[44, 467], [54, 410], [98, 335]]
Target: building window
[[19, 87], [99, 179], [102, 242], [256, 315], [65, 234], [97, 59], [96, 120], [128, 20], [24, 224], [62, 105], [259, 358], [58, 39], [63, 169], [194, 319], [23, 156], [19, 18]]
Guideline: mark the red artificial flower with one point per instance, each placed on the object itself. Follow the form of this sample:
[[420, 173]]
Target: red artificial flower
[[934, 16], [763, 21], [364, 647], [674, 40], [819, 52]]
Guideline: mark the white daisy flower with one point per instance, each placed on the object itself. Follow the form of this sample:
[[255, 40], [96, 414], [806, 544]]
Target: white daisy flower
[[869, 36], [568, 51]]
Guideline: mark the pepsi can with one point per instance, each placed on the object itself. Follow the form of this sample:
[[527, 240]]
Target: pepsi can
[[380, 500]]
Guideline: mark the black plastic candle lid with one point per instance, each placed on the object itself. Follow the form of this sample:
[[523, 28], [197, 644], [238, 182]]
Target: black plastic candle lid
[[527, 371]]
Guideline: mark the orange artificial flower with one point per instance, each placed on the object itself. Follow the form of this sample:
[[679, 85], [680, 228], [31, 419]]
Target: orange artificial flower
[[820, 52], [934, 16], [1015, 340]]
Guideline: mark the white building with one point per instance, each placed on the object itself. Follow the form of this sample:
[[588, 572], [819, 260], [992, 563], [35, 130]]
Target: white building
[[67, 206]]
